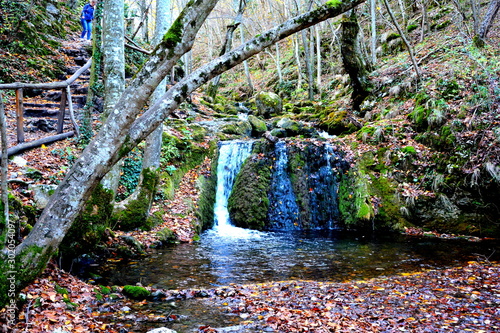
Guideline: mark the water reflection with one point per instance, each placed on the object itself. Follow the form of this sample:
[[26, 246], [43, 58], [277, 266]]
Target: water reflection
[[241, 256]]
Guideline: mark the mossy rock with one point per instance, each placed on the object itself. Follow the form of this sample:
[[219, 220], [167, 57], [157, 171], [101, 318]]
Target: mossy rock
[[135, 292], [368, 199], [291, 127], [337, 123], [167, 236], [258, 125], [268, 104], [206, 200], [411, 27], [248, 203], [240, 128], [89, 227], [279, 133]]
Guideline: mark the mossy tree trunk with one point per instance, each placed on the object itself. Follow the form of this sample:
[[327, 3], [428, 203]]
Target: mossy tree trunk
[[143, 196], [355, 61], [128, 125]]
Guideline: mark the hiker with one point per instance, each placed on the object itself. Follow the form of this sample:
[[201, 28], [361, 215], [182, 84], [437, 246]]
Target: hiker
[[86, 19]]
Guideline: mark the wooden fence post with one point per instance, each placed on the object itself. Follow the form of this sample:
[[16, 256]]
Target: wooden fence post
[[62, 109], [20, 115]]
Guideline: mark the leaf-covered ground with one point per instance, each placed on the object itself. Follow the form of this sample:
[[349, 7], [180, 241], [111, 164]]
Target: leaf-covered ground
[[461, 299]]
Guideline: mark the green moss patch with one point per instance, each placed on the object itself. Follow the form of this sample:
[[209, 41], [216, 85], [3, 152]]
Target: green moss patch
[[135, 292]]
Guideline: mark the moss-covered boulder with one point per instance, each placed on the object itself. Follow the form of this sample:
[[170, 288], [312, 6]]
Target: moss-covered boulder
[[88, 229], [166, 236], [249, 203], [239, 128], [291, 127], [258, 125], [206, 201], [337, 122], [135, 292], [268, 104], [42, 193], [368, 199]]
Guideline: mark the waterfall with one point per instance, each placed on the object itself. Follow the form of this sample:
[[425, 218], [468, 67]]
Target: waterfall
[[232, 154], [323, 198], [283, 208]]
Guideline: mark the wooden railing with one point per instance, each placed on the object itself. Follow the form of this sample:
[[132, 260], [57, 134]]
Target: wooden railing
[[65, 98]]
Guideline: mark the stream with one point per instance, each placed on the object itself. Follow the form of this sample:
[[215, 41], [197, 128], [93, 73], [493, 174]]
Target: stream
[[255, 257], [231, 255]]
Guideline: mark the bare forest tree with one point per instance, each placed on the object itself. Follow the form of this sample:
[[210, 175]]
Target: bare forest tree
[[403, 36], [113, 50], [488, 18], [228, 43], [148, 179]]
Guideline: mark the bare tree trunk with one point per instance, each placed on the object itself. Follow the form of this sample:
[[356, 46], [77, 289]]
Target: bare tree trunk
[[318, 59], [245, 64], [113, 49], [425, 20], [297, 59], [488, 18], [403, 11], [129, 124], [227, 45], [4, 169], [149, 178], [309, 63], [373, 14], [475, 16], [405, 40]]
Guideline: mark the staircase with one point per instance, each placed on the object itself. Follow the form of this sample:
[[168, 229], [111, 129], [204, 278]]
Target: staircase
[[42, 109]]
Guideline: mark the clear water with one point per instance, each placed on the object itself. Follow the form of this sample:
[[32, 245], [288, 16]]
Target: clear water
[[232, 154], [233, 255]]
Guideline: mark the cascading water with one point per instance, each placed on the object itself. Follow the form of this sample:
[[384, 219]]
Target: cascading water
[[323, 184], [232, 154], [283, 208]]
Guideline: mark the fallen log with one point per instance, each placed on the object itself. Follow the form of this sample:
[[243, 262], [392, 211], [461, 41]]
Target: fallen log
[[37, 143]]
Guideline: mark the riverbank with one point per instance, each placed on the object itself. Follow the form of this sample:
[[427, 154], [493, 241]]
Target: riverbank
[[458, 299]]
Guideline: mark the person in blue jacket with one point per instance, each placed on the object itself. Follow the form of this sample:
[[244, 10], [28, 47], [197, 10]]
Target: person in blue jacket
[[86, 19]]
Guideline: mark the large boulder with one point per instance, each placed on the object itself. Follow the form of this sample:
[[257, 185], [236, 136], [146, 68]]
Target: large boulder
[[268, 104], [258, 125], [240, 128]]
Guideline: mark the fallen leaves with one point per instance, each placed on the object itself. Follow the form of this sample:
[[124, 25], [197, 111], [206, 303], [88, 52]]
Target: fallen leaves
[[459, 299]]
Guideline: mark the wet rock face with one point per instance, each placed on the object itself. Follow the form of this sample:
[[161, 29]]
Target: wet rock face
[[288, 187]]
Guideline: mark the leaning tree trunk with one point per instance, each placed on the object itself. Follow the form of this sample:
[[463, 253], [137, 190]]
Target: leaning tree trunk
[[127, 126], [405, 40], [354, 60], [488, 18]]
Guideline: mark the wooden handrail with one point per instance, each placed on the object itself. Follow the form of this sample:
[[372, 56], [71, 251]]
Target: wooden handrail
[[65, 97], [48, 85]]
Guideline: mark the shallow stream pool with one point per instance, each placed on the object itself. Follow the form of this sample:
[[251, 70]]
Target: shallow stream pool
[[241, 256]]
